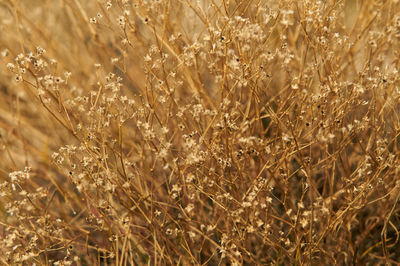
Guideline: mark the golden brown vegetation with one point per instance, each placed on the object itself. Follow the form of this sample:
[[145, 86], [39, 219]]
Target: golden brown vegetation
[[180, 132]]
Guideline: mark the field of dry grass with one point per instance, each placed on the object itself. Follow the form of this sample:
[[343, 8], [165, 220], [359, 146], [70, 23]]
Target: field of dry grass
[[208, 132]]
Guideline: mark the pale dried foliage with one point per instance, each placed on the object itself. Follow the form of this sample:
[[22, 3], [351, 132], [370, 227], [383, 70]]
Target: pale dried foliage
[[180, 132]]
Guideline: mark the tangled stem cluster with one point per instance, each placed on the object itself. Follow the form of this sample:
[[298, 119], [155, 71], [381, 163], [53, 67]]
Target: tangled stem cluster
[[213, 132]]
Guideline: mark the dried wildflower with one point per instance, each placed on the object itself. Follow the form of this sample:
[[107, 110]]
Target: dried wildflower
[[10, 66], [121, 21], [233, 121], [18, 78], [5, 53]]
